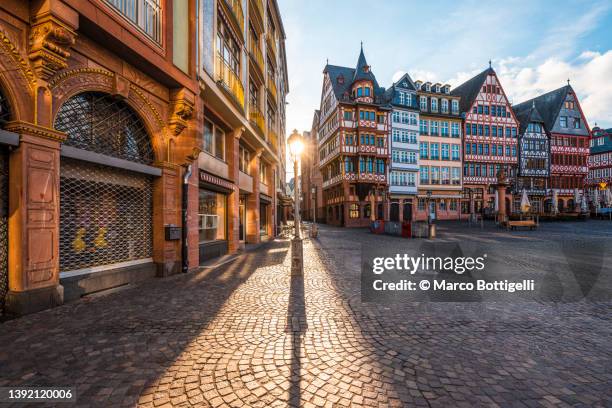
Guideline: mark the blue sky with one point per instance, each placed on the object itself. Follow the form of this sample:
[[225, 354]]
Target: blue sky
[[534, 45]]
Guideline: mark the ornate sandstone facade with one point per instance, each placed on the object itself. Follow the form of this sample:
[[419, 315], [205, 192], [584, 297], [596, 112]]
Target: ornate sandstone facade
[[98, 117]]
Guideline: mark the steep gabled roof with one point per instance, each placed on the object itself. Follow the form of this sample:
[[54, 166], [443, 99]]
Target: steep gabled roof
[[388, 96], [350, 75], [363, 71], [526, 114], [548, 104], [409, 82], [339, 87], [470, 88]]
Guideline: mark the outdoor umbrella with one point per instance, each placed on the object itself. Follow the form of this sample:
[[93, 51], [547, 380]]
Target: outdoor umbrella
[[525, 204], [555, 201]]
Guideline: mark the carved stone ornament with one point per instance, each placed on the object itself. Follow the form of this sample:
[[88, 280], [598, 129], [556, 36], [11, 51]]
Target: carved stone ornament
[[50, 42], [183, 103], [27, 128]]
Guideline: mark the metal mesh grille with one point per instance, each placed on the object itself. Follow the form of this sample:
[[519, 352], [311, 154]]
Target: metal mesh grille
[[3, 226], [5, 112], [101, 123], [105, 215]]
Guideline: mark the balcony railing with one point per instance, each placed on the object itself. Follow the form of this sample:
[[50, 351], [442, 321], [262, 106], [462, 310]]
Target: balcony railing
[[272, 139], [255, 52], [256, 117], [229, 80], [146, 15], [259, 7], [272, 87], [236, 7], [271, 42]]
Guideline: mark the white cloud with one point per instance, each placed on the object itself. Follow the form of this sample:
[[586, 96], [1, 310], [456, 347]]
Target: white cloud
[[589, 76]]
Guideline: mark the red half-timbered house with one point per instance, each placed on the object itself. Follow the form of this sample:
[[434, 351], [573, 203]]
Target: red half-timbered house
[[569, 135], [353, 145], [490, 140]]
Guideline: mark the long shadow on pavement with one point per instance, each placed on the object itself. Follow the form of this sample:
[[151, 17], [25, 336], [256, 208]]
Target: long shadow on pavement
[[113, 348]]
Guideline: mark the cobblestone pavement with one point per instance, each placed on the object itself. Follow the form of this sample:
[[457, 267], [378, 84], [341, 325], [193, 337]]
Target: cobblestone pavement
[[249, 334]]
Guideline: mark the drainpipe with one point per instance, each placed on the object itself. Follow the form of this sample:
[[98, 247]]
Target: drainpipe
[[184, 200]]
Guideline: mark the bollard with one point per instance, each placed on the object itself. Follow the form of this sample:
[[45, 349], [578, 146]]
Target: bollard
[[432, 231]]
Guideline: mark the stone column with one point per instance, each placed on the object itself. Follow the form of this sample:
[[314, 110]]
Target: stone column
[[34, 220], [401, 210], [193, 220], [233, 199], [167, 211], [386, 206], [252, 205]]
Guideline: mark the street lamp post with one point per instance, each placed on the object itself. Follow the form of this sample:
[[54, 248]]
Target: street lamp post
[[296, 146], [431, 227]]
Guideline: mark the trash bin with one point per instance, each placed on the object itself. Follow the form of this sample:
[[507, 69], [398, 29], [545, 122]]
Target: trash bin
[[393, 228], [377, 227], [407, 229]]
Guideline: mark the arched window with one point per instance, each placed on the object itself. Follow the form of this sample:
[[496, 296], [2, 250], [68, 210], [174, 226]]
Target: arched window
[[5, 111], [104, 124], [105, 212]]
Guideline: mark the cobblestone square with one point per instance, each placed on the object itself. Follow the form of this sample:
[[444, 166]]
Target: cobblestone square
[[249, 334]]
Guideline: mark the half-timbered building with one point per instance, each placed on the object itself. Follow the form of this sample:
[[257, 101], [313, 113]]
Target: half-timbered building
[[600, 160], [569, 135], [534, 158], [353, 144], [490, 141]]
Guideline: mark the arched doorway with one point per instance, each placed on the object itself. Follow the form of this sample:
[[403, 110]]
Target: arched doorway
[[548, 205], [5, 116], [105, 210], [394, 211], [407, 215]]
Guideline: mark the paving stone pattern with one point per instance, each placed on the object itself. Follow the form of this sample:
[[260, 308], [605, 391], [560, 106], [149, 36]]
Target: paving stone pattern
[[248, 334]]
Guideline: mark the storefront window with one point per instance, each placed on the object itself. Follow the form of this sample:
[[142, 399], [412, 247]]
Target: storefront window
[[263, 218], [212, 214]]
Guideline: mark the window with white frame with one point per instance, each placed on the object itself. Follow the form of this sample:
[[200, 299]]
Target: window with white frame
[[444, 129], [434, 128], [444, 105], [434, 104], [413, 118], [455, 129], [455, 175], [455, 106], [423, 103]]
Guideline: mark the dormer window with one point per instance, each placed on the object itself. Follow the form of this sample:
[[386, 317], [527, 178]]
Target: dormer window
[[366, 68], [340, 79], [428, 87]]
